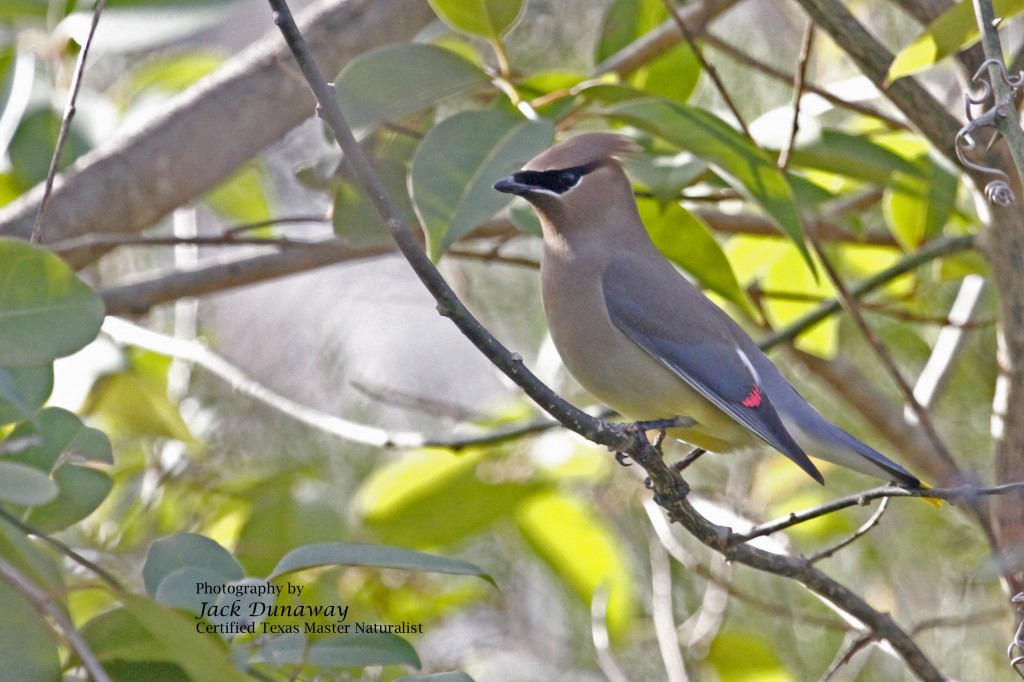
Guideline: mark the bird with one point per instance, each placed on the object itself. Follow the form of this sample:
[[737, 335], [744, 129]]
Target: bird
[[641, 338]]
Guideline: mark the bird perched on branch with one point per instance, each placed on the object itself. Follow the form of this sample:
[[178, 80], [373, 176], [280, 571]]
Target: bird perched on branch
[[643, 339]]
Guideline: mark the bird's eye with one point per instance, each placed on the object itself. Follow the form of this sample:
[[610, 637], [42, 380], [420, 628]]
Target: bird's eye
[[557, 181], [569, 178]]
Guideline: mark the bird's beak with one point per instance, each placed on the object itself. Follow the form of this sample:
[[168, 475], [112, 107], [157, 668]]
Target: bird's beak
[[510, 185]]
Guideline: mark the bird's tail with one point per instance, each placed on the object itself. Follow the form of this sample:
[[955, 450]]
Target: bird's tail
[[826, 441]]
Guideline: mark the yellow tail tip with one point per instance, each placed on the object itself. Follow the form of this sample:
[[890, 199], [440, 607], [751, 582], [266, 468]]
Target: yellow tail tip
[[934, 501]]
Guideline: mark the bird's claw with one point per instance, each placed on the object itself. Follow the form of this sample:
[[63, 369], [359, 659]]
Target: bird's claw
[[621, 458]]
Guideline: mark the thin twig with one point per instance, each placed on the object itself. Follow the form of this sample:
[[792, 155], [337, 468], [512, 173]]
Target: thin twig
[[44, 604], [64, 549], [931, 251], [955, 494], [938, 622], [847, 656], [779, 75], [125, 332], [65, 124], [708, 67], [108, 240], [851, 305], [228, 237], [864, 528], [679, 553], [799, 82]]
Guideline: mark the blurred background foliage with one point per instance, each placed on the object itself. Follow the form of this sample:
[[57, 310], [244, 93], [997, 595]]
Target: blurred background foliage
[[155, 463]]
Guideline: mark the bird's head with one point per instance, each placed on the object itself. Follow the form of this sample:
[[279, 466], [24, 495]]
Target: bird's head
[[576, 182]]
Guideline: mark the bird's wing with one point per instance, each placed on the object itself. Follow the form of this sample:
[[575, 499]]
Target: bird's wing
[[673, 322]]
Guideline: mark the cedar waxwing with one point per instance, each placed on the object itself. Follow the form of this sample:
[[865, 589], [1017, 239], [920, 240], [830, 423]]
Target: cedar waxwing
[[640, 337]]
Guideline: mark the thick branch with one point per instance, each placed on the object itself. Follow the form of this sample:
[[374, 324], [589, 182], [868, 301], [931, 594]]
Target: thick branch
[[1003, 245], [871, 57], [209, 131]]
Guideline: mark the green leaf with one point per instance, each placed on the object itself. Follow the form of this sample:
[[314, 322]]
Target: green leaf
[[46, 312], [184, 550], [19, 551], [687, 242], [354, 216], [31, 149], [746, 657], [180, 588], [76, 457], [626, 21], [27, 646], [287, 516], [115, 635], [380, 556], [854, 156], [525, 218], [745, 167], [135, 403], [201, 656], [26, 485], [417, 77], [432, 497], [954, 30], [582, 550], [457, 164], [485, 18], [357, 649], [20, 9], [665, 177], [23, 390], [673, 75], [539, 85], [169, 74], [63, 436], [922, 207], [437, 677], [791, 286], [243, 196]]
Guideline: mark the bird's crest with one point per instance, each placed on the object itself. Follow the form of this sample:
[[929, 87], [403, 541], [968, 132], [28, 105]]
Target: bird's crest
[[583, 150]]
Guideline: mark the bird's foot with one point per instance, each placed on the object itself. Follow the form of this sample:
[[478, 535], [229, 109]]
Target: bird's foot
[[621, 458]]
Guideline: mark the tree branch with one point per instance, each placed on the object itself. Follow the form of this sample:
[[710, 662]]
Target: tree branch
[[206, 133], [44, 604], [955, 494], [670, 489]]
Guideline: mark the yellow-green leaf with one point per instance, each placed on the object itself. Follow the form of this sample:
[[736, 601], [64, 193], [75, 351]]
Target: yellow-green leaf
[[743, 165], [433, 497], [688, 242], [243, 196], [485, 18], [582, 549], [954, 30], [791, 293]]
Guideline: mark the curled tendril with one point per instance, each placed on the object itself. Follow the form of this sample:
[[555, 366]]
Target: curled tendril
[[998, 193], [1015, 652]]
